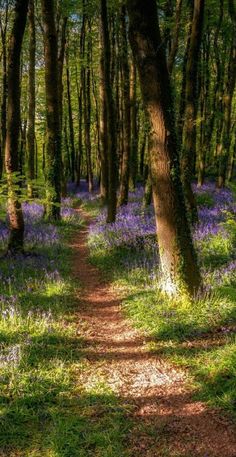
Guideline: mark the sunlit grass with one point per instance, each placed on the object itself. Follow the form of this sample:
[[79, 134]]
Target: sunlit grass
[[44, 408], [198, 334]]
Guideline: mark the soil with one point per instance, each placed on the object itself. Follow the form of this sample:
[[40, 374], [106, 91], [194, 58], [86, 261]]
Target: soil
[[166, 421]]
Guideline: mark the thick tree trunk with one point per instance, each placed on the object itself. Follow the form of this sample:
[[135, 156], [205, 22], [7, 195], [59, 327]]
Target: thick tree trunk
[[111, 124], [191, 95], [31, 109], [177, 255], [16, 220], [125, 168], [53, 141]]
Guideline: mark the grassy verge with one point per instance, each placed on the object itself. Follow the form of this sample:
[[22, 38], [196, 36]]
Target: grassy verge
[[45, 411], [199, 335]]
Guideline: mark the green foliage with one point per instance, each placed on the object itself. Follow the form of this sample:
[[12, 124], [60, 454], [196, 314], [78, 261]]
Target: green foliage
[[198, 334], [45, 409], [204, 199]]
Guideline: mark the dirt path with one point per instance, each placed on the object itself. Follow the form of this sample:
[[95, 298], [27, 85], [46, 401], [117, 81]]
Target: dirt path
[[166, 421]]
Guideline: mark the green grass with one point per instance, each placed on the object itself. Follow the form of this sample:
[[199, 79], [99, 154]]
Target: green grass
[[45, 410], [198, 335]]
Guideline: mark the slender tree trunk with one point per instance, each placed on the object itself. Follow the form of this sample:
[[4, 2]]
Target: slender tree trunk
[[111, 124], [227, 108], [71, 123], [16, 220], [3, 28], [125, 170], [134, 125], [31, 109], [103, 127], [61, 58], [175, 39], [177, 254], [142, 154], [87, 113], [53, 141], [147, 199], [189, 143]]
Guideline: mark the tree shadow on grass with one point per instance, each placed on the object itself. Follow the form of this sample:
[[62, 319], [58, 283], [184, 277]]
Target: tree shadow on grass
[[69, 426]]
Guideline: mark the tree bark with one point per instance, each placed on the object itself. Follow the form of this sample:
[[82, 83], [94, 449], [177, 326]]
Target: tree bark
[[125, 168], [111, 125], [31, 108], [3, 29], [87, 112], [191, 95], [177, 255], [53, 133], [16, 240], [71, 123], [134, 125], [103, 126]]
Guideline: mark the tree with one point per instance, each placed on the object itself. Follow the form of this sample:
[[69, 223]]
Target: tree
[[53, 134], [111, 121], [177, 255], [191, 96], [125, 81], [31, 109], [15, 214]]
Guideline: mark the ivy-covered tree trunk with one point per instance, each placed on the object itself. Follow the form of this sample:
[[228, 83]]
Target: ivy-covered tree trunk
[[177, 255], [191, 96], [53, 134], [111, 124], [31, 110], [16, 220]]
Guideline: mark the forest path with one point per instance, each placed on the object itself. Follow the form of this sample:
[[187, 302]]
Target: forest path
[[165, 419]]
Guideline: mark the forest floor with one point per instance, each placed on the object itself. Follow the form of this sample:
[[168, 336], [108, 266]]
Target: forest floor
[[155, 399]]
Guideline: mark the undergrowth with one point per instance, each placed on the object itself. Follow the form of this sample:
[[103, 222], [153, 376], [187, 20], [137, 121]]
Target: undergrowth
[[44, 410], [199, 335]]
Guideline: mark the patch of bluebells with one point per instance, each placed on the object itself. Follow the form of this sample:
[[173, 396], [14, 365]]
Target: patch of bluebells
[[211, 218], [135, 230], [29, 273], [37, 233]]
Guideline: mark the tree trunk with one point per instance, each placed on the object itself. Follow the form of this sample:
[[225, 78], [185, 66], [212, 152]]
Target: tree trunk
[[134, 125], [103, 127], [31, 109], [3, 28], [177, 255], [87, 113], [189, 143], [61, 58], [125, 169], [53, 133], [16, 220], [71, 123], [175, 39], [227, 108], [111, 125]]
